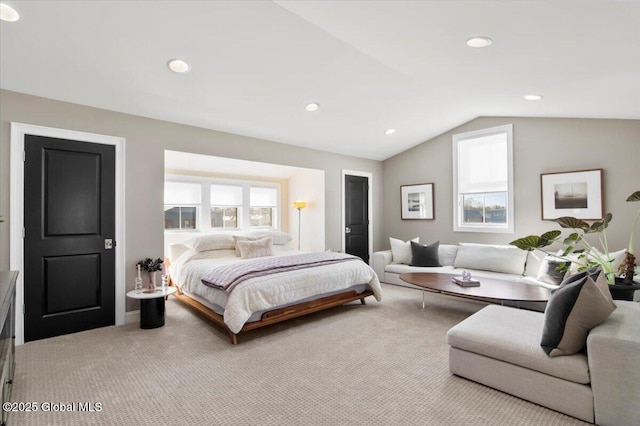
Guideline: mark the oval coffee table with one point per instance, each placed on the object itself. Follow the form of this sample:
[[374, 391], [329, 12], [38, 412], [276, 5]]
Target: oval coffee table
[[490, 290]]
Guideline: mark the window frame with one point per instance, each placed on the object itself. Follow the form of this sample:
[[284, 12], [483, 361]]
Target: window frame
[[458, 208], [224, 228], [181, 206], [203, 210]]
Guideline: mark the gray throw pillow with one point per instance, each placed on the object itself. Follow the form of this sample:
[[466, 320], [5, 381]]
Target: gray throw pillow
[[574, 308], [422, 255], [549, 273]]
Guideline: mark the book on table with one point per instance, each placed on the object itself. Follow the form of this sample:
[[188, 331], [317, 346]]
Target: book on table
[[465, 283]]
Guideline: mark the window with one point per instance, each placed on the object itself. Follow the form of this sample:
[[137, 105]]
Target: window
[[263, 203], [206, 204], [483, 180], [226, 202], [181, 203]]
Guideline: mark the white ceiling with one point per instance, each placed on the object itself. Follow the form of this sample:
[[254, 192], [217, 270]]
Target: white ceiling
[[372, 65]]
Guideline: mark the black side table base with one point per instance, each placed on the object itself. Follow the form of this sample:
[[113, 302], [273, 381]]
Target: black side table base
[[152, 313]]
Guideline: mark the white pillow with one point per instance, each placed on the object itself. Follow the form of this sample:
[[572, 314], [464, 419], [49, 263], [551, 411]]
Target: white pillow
[[617, 257], [279, 238], [534, 261], [447, 254], [487, 257], [401, 250], [237, 238], [211, 242], [257, 248]]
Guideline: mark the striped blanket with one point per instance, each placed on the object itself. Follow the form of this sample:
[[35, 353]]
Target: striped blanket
[[227, 277]]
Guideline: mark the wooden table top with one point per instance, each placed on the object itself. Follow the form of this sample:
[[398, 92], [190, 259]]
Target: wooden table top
[[489, 288]]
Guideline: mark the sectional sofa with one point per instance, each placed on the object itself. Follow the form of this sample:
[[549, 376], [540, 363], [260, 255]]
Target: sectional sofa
[[504, 262], [500, 347], [481, 260]]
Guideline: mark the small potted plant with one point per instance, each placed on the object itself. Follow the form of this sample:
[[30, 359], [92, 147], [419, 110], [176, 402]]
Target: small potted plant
[[588, 254], [151, 266]]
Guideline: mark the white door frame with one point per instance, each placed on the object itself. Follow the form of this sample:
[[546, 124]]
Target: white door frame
[[369, 177], [16, 216]]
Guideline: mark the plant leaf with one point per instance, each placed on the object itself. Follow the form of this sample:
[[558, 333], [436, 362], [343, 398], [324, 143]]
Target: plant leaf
[[573, 238], [567, 251], [601, 225], [572, 222], [551, 235], [634, 197], [530, 242]]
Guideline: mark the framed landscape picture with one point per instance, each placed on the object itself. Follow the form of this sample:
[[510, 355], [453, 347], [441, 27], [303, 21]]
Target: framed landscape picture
[[577, 194], [417, 201]]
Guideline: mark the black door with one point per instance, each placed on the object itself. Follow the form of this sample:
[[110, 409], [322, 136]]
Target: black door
[[356, 216], [69, 204]]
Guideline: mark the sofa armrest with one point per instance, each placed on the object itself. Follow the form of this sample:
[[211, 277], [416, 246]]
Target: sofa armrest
[[613, 350], [379, 261]]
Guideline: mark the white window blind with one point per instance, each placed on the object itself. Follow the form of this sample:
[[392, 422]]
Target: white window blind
[[226, 195], [263, 197], [483, 164], [483, 180], [182, 193]]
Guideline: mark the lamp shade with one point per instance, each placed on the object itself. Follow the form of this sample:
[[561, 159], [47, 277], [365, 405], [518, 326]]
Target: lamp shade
[[299, 204]]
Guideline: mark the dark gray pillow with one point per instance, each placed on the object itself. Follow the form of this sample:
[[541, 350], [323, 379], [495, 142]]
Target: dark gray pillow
[[425, 255], [574, 308], [549, 273]]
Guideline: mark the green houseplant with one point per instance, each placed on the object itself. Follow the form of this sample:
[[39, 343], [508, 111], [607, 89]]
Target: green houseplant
[[577, 244]]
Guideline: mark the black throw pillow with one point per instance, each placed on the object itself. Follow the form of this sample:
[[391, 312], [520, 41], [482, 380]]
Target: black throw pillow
[[422, 255]]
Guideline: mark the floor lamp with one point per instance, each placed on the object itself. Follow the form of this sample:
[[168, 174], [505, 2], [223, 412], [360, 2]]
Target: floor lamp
[[299, 204]]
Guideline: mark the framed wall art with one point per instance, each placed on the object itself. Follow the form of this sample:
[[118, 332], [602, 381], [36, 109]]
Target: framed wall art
[[577, 194], [417, 201]]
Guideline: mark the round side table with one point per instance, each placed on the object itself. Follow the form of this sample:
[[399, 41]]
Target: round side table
[[151, 305]]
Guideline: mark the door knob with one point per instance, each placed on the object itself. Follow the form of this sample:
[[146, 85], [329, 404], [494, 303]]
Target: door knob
[[347, 230]]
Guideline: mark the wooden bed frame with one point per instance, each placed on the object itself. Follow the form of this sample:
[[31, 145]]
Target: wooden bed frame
[[276, 315]]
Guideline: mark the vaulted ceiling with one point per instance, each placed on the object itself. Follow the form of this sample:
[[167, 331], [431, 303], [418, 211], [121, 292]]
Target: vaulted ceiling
[[371, 65]]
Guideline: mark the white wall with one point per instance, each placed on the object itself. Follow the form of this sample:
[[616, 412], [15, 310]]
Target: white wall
[[541, 145], [146, 141], [308, 186]]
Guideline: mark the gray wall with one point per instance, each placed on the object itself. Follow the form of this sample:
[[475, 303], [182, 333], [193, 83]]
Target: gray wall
[[541, 145], [146, 140]]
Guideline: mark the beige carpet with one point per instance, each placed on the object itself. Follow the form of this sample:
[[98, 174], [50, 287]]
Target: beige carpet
[[380, 364]]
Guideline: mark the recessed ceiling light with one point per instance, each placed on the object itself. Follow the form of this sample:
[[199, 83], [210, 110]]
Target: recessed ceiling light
[[479, 41], [532, 97], [179, 66], [7, 13], [389, 131], [312, 107]]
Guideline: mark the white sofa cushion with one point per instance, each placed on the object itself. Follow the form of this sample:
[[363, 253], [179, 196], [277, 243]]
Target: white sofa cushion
[[401, 250], [534, 260], [447, 254], [513, 335], [487, 257]]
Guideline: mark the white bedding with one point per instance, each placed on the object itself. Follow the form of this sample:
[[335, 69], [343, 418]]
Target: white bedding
[[265, 293]]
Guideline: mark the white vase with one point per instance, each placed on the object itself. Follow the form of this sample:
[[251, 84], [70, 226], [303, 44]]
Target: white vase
[[152, 280]]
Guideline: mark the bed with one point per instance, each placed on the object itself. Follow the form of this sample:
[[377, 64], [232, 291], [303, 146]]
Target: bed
[[258, 299]]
